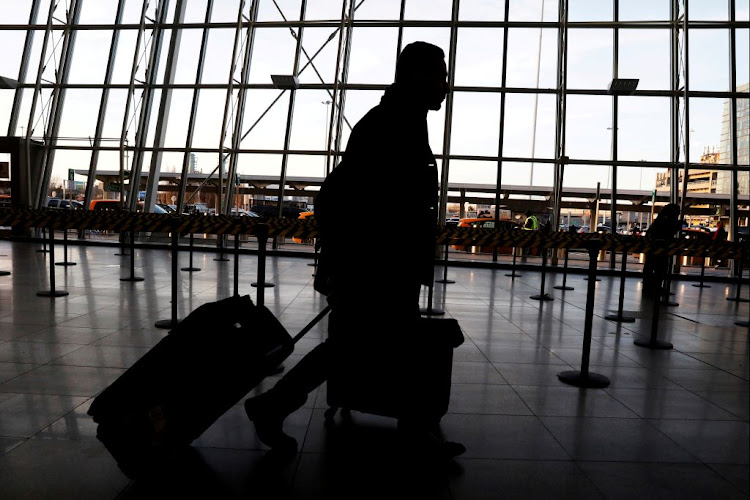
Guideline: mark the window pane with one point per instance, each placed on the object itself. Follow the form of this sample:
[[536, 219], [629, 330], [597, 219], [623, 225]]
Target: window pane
[[742, 45], [373, 55], [709, 60], [706, 122], [523, 63], [187, 58], [268, 11], [644, 54], [270, 130], [643, 128], [644, 10], [273, 54], [474, 172], [219, 55], [523, 10], [707, 10], [480, 10], [324, 63], [311, 118], [476, 122], [587, 134], [428, 10], [382, 9], [589, 10], [520, 139], [90, 56], [479, 57], [589, 58], [99, 12]]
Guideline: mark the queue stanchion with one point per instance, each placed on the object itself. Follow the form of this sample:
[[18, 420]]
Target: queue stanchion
[[52, 292], [738, 288], [44, 241], [4, 273], [703, 271], [564, 285], [653, 342], [585, 378], [445, 279], [237, 265], [619, 316], [123, 242], [65, 261], [132, 277], [220, 241], [543, 296], [190, 267], [513, 273], [429, 310], [172, 322], [262, 234], [667, 290]]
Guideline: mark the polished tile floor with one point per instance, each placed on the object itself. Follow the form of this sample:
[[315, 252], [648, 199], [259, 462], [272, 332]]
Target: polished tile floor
[[672, 423]]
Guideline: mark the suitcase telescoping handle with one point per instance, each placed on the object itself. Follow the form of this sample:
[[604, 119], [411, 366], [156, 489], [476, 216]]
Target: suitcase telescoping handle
[[311, 324]]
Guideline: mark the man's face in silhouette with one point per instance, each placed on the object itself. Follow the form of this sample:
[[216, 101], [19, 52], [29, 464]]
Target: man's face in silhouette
[[436, 85]]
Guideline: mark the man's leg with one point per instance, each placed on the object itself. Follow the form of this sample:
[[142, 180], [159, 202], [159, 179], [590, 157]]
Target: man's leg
[[269, 410]]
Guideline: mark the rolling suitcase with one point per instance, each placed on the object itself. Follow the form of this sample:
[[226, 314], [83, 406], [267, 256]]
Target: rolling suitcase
[[170, 396], [407, 379]]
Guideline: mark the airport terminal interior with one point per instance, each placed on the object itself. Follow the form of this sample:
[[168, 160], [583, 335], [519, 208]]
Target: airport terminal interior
[[567, 127]]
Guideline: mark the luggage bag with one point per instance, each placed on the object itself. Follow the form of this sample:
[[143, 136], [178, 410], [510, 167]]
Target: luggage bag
[[172, 394], [407, 379]]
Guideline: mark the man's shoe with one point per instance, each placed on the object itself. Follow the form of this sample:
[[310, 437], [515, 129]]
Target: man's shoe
[[268, 412]]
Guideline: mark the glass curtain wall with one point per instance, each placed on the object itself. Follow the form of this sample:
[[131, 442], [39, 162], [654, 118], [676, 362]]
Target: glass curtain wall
[[227, 105]]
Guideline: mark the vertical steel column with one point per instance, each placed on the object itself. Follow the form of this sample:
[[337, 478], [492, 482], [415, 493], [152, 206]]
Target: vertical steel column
[[445, 167], [344, 80], [164, 106], [400, 42], [674, 117], [193, 111], [686, 110], [58, 98], [290, 114], [25, 56], [227, 102], [147, 103], [562, 83], [501, 139], [734, 196], [131, 91], [96, 146], [615, 133], [336, 84]]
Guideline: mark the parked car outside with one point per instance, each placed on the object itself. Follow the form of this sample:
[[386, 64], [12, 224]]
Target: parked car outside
[[58, 203], [485, 223]]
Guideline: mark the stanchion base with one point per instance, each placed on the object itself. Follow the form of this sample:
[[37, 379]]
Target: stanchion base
[[447, 282], [738, 299], [132, 278], [656, 344], [512, 275], [265, 285], [221, 259], [429, 311], [742, 323], [65, 263], [43, 250], [122, 254], [580, 379], [669, 303], [620, 318], [313, 265], [560, 287], [701, 285], [4, 273], [597, 279], [52, 293], [166, 323], [191, 269], [544, 296]]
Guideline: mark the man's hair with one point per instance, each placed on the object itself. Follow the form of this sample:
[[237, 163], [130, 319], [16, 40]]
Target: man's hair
[[416, 59]]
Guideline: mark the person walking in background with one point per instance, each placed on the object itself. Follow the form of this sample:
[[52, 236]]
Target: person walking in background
[[656, 267]]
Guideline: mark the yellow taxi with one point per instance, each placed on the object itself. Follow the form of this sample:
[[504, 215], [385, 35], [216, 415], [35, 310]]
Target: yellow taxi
[[304, 241], [486, 223]]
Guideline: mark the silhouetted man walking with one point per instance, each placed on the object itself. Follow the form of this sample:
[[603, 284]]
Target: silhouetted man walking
[[373, 280]]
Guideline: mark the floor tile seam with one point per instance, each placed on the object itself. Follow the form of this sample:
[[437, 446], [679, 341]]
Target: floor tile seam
[[715, 367], [674, 389], [651, 422], [693, 392]]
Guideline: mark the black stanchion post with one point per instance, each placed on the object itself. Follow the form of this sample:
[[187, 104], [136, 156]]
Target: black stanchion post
[[564, 285], [585, 378], [52, 292], [172, 321], [737, 298], [123, 241], [619, 316], [667, 290], [513, 268], [703, 271], [220, 242], [542, 294], [653, 342], [236, 265], [429, 310], [190, 267], [44, 241], [445, 279], [132, 276], [262, 234], [65, 261]]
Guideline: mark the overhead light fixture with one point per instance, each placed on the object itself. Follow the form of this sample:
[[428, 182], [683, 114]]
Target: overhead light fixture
[[622, 86], [285, 82], [8, 83]]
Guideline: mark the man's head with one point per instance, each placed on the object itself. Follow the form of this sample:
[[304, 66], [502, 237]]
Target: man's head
[[421, 72]]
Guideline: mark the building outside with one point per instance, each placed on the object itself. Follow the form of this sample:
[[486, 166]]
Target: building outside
[[724, 178]]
